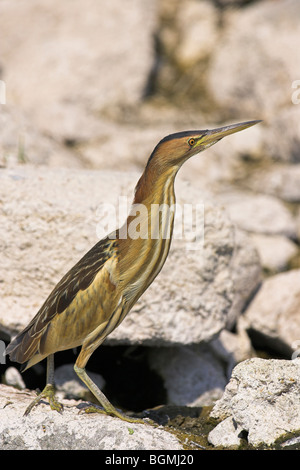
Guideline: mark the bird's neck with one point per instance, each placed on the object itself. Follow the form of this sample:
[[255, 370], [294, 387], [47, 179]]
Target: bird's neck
[[148, 230], [152, 210], [156, 185]]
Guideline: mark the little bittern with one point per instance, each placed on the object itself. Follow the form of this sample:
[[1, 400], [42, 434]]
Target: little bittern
[[94, 297]]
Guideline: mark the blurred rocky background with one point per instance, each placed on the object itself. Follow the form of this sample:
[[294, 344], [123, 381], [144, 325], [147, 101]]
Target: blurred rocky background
[[90, 88]]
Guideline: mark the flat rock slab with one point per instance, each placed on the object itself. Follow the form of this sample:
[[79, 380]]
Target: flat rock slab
[[50, 218], [45, 429]]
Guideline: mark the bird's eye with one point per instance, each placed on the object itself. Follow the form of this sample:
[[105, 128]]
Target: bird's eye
[[191, 142]]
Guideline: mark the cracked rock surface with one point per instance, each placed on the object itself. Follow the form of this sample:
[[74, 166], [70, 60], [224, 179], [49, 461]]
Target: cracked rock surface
[[261, 401], [45, 429]]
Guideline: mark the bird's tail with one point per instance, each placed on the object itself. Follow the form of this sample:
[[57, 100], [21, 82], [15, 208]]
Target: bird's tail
[[22, 348]]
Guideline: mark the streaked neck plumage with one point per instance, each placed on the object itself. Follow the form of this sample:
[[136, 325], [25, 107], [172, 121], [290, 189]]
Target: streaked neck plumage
[[148, 228]]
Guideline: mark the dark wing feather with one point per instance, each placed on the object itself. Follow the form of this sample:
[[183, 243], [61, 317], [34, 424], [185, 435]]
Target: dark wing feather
[[26, 343]]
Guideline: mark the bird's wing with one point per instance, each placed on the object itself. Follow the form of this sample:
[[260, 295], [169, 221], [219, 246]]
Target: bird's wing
[[77, 279]]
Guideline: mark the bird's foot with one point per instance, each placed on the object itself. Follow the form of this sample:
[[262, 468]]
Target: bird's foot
[[116, 413], [49, 394]]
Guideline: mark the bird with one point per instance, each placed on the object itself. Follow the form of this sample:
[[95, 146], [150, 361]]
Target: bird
[[96, 294]]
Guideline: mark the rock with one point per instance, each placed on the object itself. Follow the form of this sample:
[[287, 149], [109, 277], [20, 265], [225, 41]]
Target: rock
[[275, 251], [196, 375], [232, 348], [279, 180], [261, 402], [197, 27], [13, 377], [187, 33], [22, 142], [284, 122], [273, 315], [192, 375], [260, 37], [44, 429], [259, 213], [127, 152], [56, 213], [246, 275], [67, 69], [226, 434]]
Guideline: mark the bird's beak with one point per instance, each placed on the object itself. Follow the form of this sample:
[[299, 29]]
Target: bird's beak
[[214, 135]]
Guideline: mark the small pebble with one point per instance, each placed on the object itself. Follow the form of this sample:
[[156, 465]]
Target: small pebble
[[13, 377]]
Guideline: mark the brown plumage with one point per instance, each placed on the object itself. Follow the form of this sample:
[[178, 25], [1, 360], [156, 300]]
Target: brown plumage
[[94, 297]]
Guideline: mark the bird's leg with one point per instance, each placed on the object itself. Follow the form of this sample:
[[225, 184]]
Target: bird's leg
[[49, 390], [108, 407]]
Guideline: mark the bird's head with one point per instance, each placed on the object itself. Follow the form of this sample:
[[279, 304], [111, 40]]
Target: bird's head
[[175, 149]]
